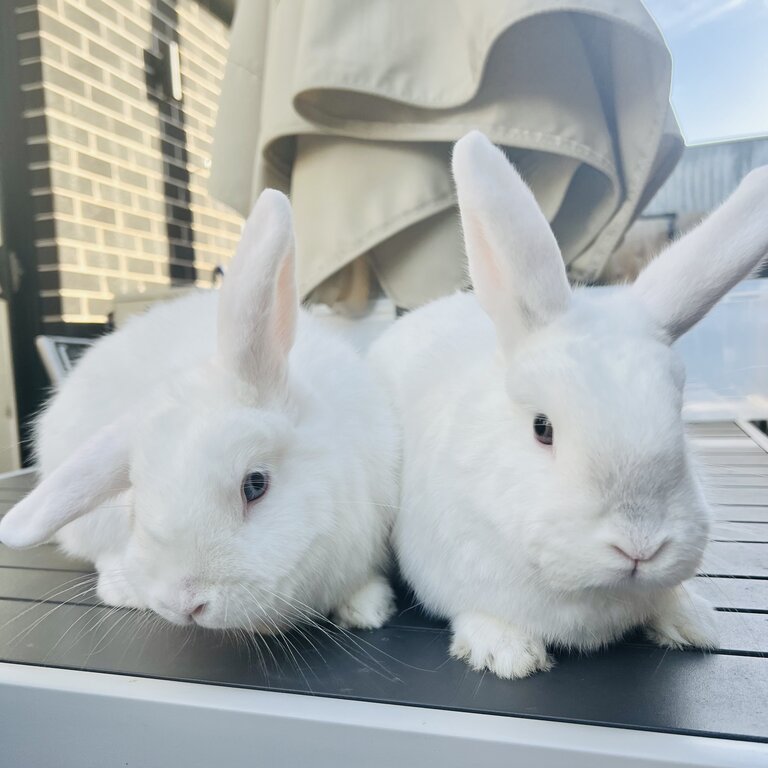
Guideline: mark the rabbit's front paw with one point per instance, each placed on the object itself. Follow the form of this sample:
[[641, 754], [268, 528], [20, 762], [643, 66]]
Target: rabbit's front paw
[[488, 643], [113, 589], [368, 608], [684, 619]]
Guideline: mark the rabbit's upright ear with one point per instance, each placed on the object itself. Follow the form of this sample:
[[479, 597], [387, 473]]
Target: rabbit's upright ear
[[514, 261], [685, 281], [96, 472], [259, 301]]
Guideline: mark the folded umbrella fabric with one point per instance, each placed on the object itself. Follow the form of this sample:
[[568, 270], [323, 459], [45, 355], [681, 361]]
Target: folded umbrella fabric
[[352, 108]]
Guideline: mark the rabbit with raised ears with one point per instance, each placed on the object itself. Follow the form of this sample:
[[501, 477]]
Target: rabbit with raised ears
[[223, 459], [548, 497]]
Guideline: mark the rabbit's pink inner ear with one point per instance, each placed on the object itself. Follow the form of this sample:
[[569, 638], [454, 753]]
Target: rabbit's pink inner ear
[[683, 283], [486, 271], [514, 261], [96, 472], [258, 306], [286, 306]]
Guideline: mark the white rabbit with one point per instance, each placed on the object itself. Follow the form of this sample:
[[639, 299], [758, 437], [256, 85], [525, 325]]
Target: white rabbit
[[231, 463], [548, 497]]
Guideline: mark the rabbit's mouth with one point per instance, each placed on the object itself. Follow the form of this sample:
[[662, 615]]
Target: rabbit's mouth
[[264, 626], [644, 576], [222, 614], [174, 617], [636, 561]]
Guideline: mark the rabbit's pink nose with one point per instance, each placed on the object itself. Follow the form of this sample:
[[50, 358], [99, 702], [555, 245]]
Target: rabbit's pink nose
[[197, 611], [638, 557]]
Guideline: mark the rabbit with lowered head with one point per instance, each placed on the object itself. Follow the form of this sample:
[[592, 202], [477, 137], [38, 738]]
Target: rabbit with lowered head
[[222, 459], [548, 497]]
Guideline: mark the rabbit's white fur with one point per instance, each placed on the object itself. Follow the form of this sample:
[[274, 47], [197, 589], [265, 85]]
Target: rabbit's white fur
[[158, 424], [518, 543]]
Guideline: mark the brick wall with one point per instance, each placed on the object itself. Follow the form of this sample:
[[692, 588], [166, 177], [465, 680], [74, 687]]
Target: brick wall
[[119, 176]]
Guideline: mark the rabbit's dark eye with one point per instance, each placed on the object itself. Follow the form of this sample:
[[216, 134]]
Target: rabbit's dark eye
[[542, 429], [255, 486]]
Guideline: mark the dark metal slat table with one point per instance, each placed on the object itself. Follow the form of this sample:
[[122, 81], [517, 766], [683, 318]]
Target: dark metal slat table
[[69, 667]]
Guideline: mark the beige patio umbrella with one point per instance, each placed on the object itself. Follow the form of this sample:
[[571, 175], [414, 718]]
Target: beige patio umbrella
[[352, 106]]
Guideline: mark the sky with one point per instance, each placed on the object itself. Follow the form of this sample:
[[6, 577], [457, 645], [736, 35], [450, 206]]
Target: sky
[[720, 65]]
